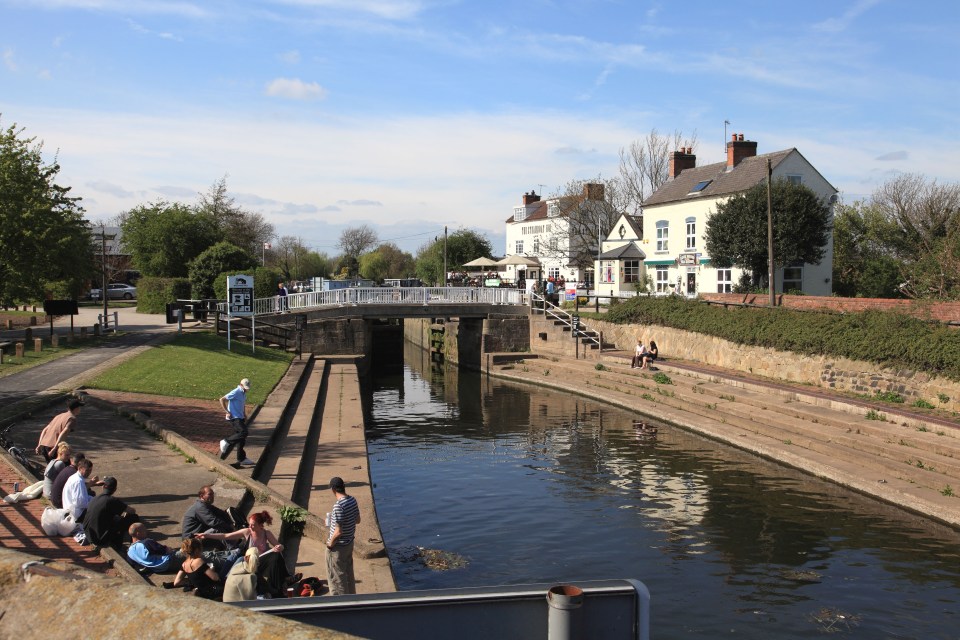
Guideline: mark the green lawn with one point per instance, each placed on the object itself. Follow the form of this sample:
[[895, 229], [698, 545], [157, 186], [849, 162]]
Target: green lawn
[[198, 365], [12, 364]]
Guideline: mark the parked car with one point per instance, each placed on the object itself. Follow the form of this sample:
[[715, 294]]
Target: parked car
[[116, 292]]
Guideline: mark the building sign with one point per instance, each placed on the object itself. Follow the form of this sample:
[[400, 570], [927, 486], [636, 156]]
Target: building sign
[[687, 259], [240, 295]]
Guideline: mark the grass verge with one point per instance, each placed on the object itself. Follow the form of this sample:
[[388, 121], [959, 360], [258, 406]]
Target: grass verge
[[198, 365]]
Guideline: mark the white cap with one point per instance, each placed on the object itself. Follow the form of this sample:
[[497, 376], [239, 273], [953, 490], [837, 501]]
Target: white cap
[[245, 383]]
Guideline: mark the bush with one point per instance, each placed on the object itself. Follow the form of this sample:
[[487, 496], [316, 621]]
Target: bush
[[886, 339], [265, 282], [153, 294]]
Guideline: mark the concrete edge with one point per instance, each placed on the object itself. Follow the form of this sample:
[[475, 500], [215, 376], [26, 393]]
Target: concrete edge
[[883, 492]]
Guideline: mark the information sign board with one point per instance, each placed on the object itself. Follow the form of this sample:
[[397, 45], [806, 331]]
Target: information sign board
[[240, 295]]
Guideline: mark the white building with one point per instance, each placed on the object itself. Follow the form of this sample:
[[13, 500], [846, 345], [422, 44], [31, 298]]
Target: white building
[[675, 217], [540, 229]]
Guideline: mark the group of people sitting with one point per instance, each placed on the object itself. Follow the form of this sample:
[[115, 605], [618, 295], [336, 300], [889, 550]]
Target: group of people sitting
[[643, 355], [221, 556]]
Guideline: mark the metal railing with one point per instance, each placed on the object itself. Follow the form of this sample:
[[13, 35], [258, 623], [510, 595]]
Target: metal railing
[[382, 295], [557, 314]]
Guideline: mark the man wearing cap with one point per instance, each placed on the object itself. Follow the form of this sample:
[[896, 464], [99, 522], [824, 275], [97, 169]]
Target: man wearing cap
[[344, 518], [57, 430], [108, 517], [234, 405]]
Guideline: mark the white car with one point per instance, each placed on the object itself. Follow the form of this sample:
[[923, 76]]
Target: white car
[[116, 292]]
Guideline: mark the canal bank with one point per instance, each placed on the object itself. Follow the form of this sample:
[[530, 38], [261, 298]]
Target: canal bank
[[907, 460]]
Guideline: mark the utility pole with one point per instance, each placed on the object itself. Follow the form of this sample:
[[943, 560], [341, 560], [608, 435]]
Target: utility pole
[[770, 282], [103, 270], [444, 256]]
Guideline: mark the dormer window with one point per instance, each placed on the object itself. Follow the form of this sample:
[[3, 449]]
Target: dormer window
[[553, 209], [700, 186], [519, 214]]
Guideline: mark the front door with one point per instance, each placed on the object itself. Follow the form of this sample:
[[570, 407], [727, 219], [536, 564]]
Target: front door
[[691, 284]]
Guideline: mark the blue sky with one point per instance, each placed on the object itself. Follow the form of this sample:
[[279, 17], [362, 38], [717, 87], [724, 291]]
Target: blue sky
[[414, 114]]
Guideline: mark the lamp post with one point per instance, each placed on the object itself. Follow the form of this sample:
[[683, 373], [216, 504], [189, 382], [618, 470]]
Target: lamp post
[[596, 271], [770, 235], [444, 256]]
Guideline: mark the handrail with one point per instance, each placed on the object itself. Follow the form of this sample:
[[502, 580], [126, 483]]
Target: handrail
[[353, 296], [554, 312]]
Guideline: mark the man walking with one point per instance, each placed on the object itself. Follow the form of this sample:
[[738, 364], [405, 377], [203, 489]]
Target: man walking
[[281, 297], [57, 430], [235, 406], [344, 518]]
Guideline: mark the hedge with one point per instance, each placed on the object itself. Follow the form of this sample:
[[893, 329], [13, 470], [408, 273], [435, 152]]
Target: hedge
[[153, 294], [884, 338]]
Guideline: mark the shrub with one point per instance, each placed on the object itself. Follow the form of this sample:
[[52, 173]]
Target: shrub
[[153, 294], [662, 378], [922, 404], [599, 367], [265, 282], [888, 396], [883, 338], [294, 517]]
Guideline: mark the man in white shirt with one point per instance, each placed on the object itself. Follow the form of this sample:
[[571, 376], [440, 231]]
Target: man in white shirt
[[75, 494]]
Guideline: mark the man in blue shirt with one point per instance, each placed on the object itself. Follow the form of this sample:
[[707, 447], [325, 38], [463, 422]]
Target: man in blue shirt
[[234, 405]]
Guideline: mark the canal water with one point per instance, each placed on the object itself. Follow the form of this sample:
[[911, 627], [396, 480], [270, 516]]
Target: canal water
[[522, 484]]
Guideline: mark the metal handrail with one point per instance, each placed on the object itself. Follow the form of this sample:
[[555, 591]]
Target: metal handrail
[[554, 312], [382, 295]]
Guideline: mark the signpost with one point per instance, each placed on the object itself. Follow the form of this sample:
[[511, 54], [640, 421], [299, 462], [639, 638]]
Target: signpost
[[240, 304]]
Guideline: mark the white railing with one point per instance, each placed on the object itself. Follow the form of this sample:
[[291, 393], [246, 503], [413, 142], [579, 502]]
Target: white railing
[[550, 310], [383, 295]]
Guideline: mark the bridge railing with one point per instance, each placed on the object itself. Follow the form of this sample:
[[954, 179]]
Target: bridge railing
[[383, 295]]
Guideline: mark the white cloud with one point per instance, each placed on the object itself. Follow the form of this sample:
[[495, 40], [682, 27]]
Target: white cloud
[[110, 188], [185, 9], [836, 25], [8, 60], [386, 9], [295, 89], [290, 57]]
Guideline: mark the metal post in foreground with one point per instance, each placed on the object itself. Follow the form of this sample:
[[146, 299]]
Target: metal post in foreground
[[770, 283], [564, 619]]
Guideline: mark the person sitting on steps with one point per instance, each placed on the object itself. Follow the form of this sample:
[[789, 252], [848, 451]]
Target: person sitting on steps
[[639, 352], [650, 355]]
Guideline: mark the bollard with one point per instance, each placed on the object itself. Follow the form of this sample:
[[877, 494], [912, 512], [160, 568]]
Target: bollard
[[96, 331], [33, 321], [116, 322], [27, 334], [9, 324], [564, 618], [54, 340], [19, 349], [37, 345]]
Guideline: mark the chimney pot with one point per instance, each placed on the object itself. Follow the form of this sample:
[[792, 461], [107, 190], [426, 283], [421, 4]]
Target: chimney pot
[[740, 137], [733, 137], [681, 160], [738, 149]]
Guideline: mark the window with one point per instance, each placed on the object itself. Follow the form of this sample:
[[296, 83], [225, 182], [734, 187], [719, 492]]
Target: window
[[553, 272], [663, 280], [724, 280], [519, 213], [606, 271], [794, 179], [631, 271], [519, 247], [792, 279], [700, 186], [662, 235], [536, 245], [553, 244], [691, 233], [553, 210]]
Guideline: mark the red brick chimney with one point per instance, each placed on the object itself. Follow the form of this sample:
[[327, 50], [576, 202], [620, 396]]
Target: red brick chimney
[[681, 160], [738, 149], [593, 191], [530, 198]]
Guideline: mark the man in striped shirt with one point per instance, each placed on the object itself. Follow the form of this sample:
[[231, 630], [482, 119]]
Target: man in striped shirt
[[344, 518]]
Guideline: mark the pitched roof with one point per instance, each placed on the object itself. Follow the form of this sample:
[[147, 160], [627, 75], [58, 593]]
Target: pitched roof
[[749, 173], [629, 250], [539, 212]]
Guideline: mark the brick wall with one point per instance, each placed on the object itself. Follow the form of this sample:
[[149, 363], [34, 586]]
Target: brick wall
[[924, 309]]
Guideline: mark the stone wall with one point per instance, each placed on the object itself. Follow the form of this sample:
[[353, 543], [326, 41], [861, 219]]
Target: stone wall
[[819, 371], [923, 309], [468, 339], [345, 336], [506, 335]]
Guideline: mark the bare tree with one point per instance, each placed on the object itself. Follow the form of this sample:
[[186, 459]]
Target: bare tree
[[582, 214], [645, 163], [245, 229], [290, 256], [355, 240]]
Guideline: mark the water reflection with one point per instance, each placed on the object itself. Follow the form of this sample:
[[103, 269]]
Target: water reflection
[[533, 485]]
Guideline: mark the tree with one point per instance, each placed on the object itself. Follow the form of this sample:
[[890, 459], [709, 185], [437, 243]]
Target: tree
[[164, 237], [43, 236], [245, 229], [863, 262], [463, 245], [316, 265], [582, 214], [373, 265], [925, 219], [736, 235], [387, 261], [290, 258], [221, 257], [356, 240], [645, 166]]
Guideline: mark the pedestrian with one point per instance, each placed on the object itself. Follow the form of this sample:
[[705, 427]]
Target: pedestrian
[[108, 517], [57, 430], [344, 518], [281, 297], [235, 406]]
